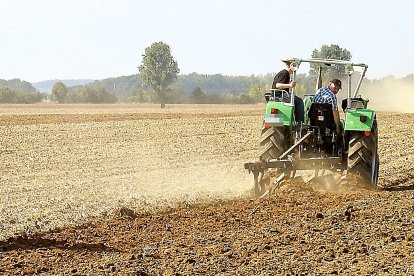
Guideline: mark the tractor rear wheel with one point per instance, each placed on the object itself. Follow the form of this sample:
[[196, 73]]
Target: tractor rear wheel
[[273, 142], [363, 159]]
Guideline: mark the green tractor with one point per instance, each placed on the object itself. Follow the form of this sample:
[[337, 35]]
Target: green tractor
[[288, 147]]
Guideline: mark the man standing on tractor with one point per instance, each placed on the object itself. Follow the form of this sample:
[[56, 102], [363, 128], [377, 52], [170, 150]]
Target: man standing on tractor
[[282, 81], [327, 94]]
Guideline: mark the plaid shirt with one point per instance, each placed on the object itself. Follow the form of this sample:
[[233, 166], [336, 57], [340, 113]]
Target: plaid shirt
[[325, 95]]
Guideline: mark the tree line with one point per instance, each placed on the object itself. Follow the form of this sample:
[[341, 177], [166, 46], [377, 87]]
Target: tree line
[[11, 96], [158, 81], [18, 91], [193, 88], [81, 94]]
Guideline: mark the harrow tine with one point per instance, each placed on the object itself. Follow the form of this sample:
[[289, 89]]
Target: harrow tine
[[278, 182]]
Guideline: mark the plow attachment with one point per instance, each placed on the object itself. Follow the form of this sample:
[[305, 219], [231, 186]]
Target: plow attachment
[[269, 175]]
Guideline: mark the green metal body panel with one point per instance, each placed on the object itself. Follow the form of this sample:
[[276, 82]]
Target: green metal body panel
[[307, 102], [353, 122], [286, 110]]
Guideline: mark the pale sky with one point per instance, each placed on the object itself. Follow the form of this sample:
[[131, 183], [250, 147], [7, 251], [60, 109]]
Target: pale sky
[[91, 39]]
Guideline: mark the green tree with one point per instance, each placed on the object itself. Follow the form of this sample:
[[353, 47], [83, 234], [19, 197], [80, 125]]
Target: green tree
[[158, 69], [7, 95], [332, 52], [255, 93], [143, 97], [244, 99], [198, 96], [59, 92], [87, 94], [28, 98], [300, 90]]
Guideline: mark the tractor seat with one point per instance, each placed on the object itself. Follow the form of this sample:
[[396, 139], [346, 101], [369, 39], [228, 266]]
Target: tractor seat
[[355, 103], [277, 95], [321, 116]]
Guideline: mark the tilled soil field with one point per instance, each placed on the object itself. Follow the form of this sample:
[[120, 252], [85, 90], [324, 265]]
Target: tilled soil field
[[131, 189]]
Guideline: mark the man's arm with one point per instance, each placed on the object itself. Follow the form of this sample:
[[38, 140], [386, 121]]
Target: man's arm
[[336, 119], [285, 85]]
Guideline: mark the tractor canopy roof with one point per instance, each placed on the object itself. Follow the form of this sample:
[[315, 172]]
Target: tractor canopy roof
[[294, 63], [324, 62]]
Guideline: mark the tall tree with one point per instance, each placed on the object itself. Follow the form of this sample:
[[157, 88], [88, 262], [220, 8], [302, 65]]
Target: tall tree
[[198, 96], [158, 69], [59, 92], [332, 52]]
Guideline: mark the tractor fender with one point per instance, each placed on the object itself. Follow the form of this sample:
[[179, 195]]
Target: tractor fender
[[359, 119], [284, 113]]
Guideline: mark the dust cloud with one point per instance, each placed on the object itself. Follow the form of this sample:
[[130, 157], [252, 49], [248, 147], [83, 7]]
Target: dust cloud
[[392, 95]]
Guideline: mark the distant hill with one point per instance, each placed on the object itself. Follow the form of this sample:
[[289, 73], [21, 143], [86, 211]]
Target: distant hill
[[46, 86], [18, 85]]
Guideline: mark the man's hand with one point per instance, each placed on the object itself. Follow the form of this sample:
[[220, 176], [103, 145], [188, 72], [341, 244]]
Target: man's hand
[[292, 84]]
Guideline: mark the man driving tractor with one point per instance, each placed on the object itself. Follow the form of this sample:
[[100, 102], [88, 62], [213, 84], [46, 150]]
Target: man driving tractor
[[327, 94]]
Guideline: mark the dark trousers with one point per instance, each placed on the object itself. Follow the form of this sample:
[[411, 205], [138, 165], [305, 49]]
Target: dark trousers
[[299, 110]]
